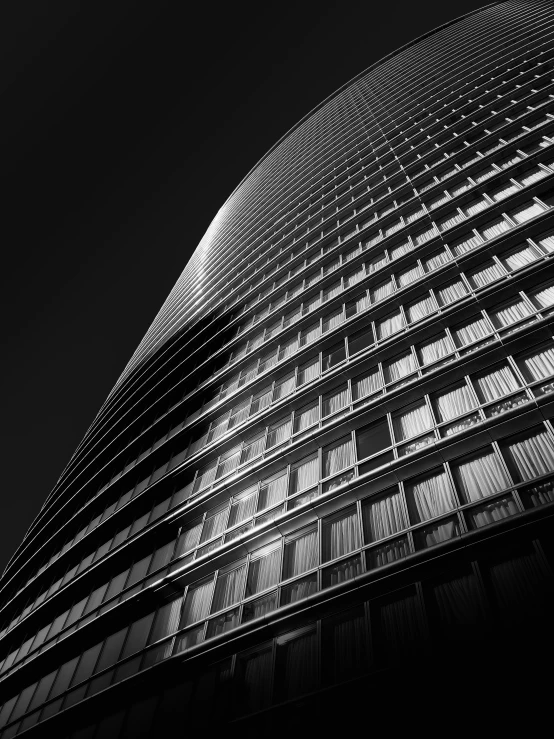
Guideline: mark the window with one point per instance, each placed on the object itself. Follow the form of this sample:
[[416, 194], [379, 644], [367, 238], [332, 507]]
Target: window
[[526, 212], [197, 602], [278, 433], [335, 401], [433, 350], [399, 367], [306, 417], [519, 257], [304, 474], [228, 589], [453, 402], [479, 476], [360, 341], [340, 534], [496, 383], [367, 384], [411, 421], [420, 308], [529, 455], [243, 506], [451, 292], [308, 372], [334, 356], [338, 456], [381, 291], [390, 325], [300, 553], [373, 438], [484, 275], [383, 516], [470, 332], [429, 496], [214, 524], [537, 364], [272, 491], [263, 571], [544, 297]]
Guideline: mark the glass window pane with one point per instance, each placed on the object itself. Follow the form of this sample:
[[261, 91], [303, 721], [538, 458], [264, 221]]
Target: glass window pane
[[263, 572], [373, 438], [338, 456], [340, 534], [529, 455], [411, 421], [496, 383], [197, 602], [383, 516], [228, 589], [304, 474], [479, 476], [300, 554], [272, 491], [429, 496]]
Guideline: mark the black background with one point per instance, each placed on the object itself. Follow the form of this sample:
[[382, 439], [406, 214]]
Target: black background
[[124, 126]]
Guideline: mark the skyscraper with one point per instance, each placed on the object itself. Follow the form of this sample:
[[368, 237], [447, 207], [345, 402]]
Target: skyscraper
[[322, 487]]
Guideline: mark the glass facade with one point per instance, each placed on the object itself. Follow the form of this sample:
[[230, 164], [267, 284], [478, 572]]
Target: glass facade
[[331, 459]]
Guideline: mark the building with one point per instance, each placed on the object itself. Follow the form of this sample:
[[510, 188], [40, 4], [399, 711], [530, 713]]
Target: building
[[322, 488]]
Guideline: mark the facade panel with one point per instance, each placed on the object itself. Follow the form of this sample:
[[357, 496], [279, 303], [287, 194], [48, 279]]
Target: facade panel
[[330, 461]]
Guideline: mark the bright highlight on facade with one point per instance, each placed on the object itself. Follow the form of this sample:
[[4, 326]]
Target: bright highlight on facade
[[329, 465]]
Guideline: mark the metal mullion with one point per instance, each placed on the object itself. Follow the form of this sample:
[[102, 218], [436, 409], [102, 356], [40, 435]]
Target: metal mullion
[[401, 484], [515, 369]]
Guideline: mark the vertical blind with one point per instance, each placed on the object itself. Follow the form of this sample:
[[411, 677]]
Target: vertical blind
[[412, 421], [384, 517], [480, 476], [453, 403], [532, 455], [340, 535], [430, 497], [501, 381]]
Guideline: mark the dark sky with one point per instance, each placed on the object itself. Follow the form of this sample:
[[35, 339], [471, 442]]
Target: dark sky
[[124, 126]]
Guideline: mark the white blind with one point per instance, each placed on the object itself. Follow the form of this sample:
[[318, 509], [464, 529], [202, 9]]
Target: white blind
[[399, 367], [479, 477], [381, 291], [389, 325], [539, 365], [384, 517], [545, 297], [306, 417], [411, 422], [510, 314], [520, 257], [453, 403], [340, 535], [431, 496], [533, 455], [435, 349], [470, 332], [197, 602], [366, 384], [421, 308], [334, 401], [300, 555], [304, 474], [501, 381], [228, 589], [486, 274], [452, 292], [338, 457]]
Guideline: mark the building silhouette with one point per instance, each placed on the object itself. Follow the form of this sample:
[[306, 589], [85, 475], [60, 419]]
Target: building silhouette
[[321, 491]]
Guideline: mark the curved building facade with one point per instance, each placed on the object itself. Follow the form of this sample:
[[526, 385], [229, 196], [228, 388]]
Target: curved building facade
[[323, 485]]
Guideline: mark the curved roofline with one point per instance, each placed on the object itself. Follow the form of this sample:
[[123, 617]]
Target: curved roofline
[[357, 77]]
